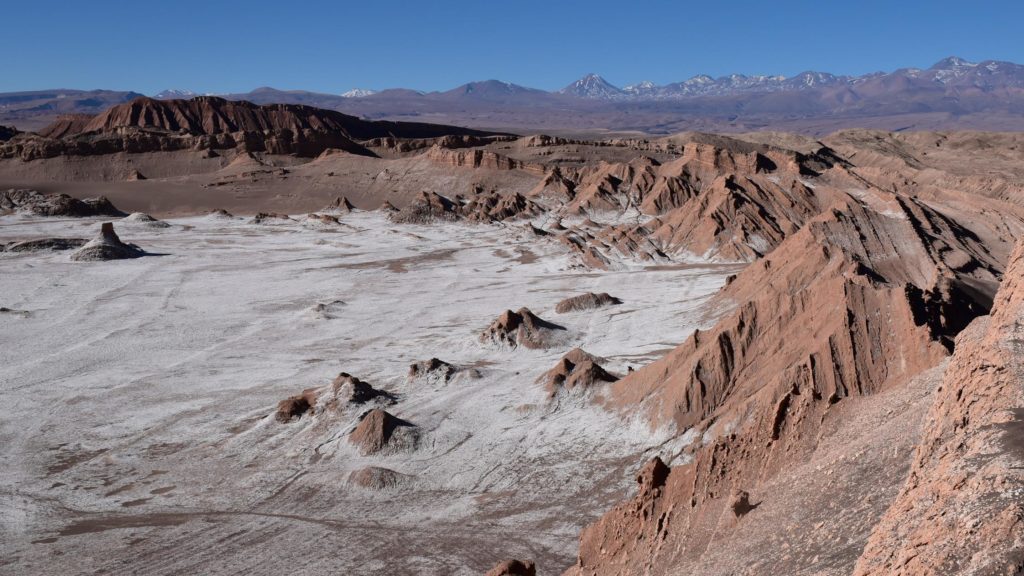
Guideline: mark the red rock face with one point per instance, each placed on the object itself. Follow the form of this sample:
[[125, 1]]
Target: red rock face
[[856, 302], [961, 509]]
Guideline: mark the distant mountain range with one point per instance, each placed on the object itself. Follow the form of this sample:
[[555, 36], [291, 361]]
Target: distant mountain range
[[952, 94]]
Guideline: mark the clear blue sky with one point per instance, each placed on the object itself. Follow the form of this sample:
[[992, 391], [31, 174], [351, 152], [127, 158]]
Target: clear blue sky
[[233, 46]]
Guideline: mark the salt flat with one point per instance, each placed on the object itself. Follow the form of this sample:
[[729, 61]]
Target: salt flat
[[137, 432]]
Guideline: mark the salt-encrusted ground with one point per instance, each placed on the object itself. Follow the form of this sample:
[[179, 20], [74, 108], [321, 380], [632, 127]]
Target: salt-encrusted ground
[[136, 428]]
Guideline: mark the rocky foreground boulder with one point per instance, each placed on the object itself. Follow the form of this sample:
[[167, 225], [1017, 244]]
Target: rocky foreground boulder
[[106, 246], [588, 301], [521, 328], [576, 371], [380, 431], [377, 478]]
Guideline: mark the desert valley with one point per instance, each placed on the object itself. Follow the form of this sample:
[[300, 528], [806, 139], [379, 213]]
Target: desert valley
[[734, 326]]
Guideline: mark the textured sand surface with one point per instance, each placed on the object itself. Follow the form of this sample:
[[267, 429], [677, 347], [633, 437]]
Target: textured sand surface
[[138, 432]]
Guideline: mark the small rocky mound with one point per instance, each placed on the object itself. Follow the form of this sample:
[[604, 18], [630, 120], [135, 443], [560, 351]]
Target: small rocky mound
[[39, 204], [520, 328], [426, 208], [388, 208], [106, 246], [433, 369], [135, 176], [271, 218], [379, 430], [348, 388], [322, 220], [377, 478], [295, 406], [437, 371], [577, 370], [145, 220], [328, 310], [341, 205], [586, 301], [220, 214], [513, 568], [41, 244]]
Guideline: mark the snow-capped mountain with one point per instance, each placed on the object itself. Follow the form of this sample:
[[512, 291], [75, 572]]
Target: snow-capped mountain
[[174, 94], [593, 86], [358, 93]]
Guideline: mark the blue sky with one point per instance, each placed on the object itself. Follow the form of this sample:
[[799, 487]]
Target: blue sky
[[230, 46]]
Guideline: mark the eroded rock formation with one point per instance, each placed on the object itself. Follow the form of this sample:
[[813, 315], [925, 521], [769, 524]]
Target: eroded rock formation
[[521, 328], [106, 246]]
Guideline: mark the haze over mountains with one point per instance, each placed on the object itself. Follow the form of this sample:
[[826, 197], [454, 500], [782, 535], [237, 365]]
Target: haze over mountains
[[951, 94]]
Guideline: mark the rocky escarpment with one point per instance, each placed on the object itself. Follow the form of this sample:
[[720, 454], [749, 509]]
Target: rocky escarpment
[[961, 511], [211, 123], [39, 204], [862, 298]]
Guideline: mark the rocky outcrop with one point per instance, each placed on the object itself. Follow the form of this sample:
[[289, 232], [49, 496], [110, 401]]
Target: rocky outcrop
[[294, 407], [479, 158], [588, 301], [377, 478], [577, 371], [555, 186], [106, 246], [8, 132], [513, 568], [497, 207], [348, 388], [521, 328], [39, 204], [864, 297], [961, 511], [340, 205], [433, 369], [426, 208], [271, 218], [380, 431], [344, 392], [43, 244]]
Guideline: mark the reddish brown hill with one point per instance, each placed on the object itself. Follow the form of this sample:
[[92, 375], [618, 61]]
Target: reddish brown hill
[[212, 115], [66, 125], [862, 298], [149, 125], [960, 511]]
